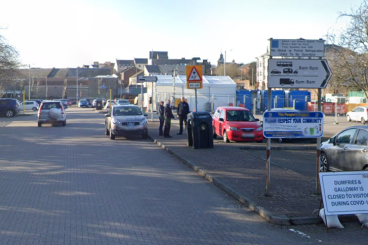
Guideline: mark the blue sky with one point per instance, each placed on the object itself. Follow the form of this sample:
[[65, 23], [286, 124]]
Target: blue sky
[[71, 33]]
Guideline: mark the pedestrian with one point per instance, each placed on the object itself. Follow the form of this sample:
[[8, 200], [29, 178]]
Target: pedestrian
[[182, 111], [168, 116], [161, 111]]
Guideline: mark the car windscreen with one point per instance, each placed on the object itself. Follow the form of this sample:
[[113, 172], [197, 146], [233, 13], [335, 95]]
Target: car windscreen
[[48, 106], [127, 111], [237, 115]]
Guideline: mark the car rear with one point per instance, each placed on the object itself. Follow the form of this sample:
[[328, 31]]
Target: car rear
[[51, 112]]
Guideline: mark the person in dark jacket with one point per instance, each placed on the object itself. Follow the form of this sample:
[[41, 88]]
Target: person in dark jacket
[[182, 111], [168, 116], [161, 111]]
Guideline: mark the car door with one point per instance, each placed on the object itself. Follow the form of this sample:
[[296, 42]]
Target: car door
[[339, 154], [221, 122], [357, 153], [215, 121]]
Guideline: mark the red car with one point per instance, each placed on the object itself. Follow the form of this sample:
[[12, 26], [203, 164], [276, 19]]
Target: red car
[[236, 124]]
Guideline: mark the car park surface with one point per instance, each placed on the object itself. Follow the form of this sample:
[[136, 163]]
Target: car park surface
[[236, 124]]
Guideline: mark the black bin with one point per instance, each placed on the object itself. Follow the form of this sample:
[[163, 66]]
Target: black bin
[[98, 104], [199, 130]]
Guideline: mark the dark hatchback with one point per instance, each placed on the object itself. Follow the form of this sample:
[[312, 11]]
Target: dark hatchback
[[346, 151], [9, 107]]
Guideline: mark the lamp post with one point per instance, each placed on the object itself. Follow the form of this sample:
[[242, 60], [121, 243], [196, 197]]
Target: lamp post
[[77, 88], [29, 83]]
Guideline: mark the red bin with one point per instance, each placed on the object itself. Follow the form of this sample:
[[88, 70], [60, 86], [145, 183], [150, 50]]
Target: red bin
[[312, 106], [341, 108], [328, 108]]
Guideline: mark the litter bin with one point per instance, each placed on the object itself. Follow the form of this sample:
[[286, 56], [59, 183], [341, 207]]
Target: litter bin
[[98, 104], [199, 130]]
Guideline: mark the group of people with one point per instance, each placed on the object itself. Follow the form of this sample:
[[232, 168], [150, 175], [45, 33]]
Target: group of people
[[166, 114]]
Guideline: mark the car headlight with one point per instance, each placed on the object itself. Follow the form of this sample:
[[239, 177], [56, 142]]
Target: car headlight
[[259, 129], [233, 128], [114, 121], [144, 122]]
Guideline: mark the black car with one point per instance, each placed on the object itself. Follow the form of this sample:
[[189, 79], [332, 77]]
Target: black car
[[346, 151], [9, 107]]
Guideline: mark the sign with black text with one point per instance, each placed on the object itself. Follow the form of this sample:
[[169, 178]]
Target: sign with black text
[[297, 48], [345, 192]]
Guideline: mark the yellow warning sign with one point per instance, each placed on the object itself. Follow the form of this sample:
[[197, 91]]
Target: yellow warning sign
[[194, 77]]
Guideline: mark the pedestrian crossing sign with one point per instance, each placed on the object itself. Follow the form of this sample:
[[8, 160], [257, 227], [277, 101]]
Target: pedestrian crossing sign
[[194, 77]]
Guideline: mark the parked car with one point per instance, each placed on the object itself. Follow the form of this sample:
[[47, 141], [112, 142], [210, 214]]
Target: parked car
[[126, 120], [358, 114], [83, 103], [236, 124], [64, 102], [9, 107], [123, 102], [51, 112], [29, 105], [346, 151]]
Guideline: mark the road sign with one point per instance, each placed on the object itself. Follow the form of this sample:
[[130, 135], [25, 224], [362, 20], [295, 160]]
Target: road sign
[[297, 48], [293, 124], [298, 73], [194, 77], [143, 79]]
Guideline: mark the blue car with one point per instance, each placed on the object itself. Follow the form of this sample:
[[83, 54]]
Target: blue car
[[83, 103]]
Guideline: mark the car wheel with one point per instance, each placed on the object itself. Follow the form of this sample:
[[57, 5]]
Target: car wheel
[[34, 109], [260, 141], [365, 167], [362, 120], [144, 136], [226, 139], [323, 163], [9, 113], [106, 131], [112, 136], [64, 123], [348, 119], [39, 124], [214, 135]]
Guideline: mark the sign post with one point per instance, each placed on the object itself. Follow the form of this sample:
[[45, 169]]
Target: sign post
[[152, 79], [194, 79]]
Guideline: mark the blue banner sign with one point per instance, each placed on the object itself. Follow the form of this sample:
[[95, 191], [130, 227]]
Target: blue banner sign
[[293, 124]]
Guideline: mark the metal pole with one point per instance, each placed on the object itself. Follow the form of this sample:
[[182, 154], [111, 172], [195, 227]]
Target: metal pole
[[336, 122], [46, 88], [195, 91], [152, 103], [141, 94], [268, 161], [252, 78], [29, 82], [318, 148], [225, 64], [254, 106], [245, 100], [77, 95]]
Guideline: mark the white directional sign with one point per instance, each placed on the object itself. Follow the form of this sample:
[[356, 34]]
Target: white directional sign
[[297, 48], [143, 79], [297, 73]]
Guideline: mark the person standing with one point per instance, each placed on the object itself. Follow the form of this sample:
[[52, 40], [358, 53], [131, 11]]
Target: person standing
[[168, 116], [183, 110], [161, 111]]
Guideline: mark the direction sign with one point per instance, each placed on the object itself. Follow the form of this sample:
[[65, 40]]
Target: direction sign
[[143, 79], [194, 77], [297, 48], [293, 124], [297, 73]]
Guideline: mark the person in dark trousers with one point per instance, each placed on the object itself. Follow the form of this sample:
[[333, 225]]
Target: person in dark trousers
[[168, 116], [161, 111], [182, 111]]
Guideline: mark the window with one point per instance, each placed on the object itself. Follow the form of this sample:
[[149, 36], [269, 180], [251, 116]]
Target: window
[[345, 137], [362, 137], [222, 114]]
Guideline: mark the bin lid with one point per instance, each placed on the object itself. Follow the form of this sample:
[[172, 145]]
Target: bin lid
[[200, 115]]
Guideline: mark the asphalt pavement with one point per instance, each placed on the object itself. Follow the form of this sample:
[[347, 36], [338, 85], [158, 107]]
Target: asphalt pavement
[[240, 170]]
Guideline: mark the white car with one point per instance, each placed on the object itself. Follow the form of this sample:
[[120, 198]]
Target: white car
[[29, 105], [358, 114]]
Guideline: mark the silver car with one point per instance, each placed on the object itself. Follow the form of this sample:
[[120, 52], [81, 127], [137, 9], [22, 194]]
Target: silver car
[[126, 120], [51, 112], [346, 151]]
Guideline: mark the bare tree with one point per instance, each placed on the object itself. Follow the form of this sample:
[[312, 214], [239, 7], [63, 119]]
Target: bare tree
[[349, 58], [8, 65]]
